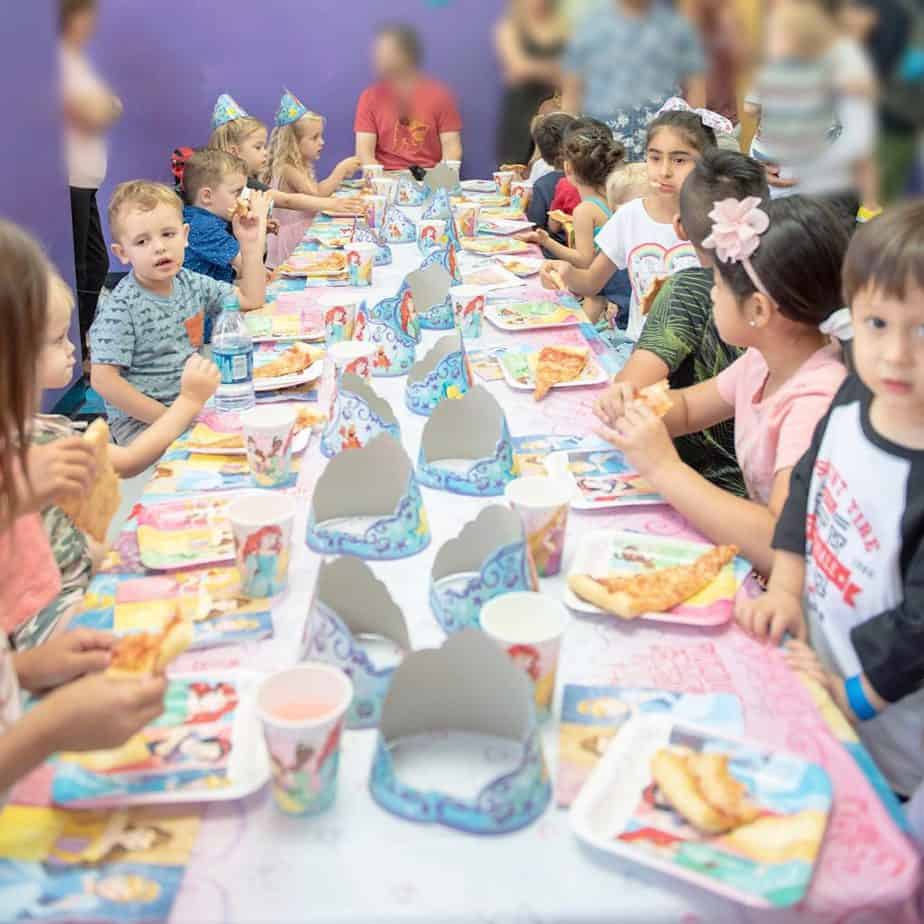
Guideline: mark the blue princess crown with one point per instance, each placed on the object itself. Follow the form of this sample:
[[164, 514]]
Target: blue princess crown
[[432, 691], [357, 417], [362, 232], [430, 291], [290, 110], [410, 192], [466, 447], [443, 373], [489, 558], [439, 206], [367, 503], [350, 603], [397, 228], [448, 258], [227, 110], [392, 326]]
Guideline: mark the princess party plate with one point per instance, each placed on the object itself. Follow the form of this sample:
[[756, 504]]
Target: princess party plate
[[186, 533], [265, 326], [766, 861], [503, 226], [206, 747], [532, 315], [218, 434], [519, 369], [604, 480], [271, 352], [491, 246], [490, 276], [521, 266], [315, 264], [616, 552], [484, 199], [478, 186]]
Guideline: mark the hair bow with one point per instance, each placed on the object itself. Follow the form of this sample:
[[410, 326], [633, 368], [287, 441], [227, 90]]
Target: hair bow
[[838, 325], [736, 229], [718, 123]]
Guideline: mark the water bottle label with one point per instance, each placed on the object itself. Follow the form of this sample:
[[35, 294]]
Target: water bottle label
[[235, 368]]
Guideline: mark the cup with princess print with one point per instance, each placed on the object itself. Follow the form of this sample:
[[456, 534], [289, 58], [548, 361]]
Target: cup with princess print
[[468, 309], [262, 526], [385, 186], [430, 233], [302, 710], [375, 207], [268, 434], [529, 627], [339, 314], [370, 173], [467, 217], [542, 504], [503, 180], [348, 356], [521, 193], [360, 257]]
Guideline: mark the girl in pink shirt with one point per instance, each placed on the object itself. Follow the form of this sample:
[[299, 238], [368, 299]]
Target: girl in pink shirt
[[777, 281]]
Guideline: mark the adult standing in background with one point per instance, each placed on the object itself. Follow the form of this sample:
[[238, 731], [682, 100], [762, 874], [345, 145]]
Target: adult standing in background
[[90, 109], [626, 59], [529, 40], [405, 119]]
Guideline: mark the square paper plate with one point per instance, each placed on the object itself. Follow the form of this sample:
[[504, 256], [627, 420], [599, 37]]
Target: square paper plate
[[206, 747], [490, 276], [532, 315], [478, 186], [519, 369], [186, 533], [614, 551], [491, 246], [315, 264], [266, 326], [270, 352], [604, 480], [205, 436], [768, 863], [503, 226], [521, 266]]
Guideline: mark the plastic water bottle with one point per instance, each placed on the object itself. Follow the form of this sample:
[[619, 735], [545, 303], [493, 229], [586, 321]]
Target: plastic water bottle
[[232, 352]]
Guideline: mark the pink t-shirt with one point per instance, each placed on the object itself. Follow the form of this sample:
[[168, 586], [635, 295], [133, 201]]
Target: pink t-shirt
[[29, 575], [773, 434]]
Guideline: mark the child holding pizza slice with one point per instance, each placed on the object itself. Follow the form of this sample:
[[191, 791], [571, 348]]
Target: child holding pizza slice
[[777, 281]]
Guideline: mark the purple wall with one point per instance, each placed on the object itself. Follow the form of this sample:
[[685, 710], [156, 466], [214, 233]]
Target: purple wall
[[169, 64]]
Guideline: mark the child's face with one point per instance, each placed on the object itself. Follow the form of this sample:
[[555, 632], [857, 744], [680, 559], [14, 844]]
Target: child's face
[[888, 349], [153, 243], [56, 361], [670, 161], [224, 195], [729, 319], [311, 138], [252, 150]]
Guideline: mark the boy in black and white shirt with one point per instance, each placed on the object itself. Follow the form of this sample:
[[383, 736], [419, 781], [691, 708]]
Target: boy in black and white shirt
[[850, 541]]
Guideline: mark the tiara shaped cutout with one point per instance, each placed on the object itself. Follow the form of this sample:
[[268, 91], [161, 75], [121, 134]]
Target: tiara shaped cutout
[[392, 327], [430, 289], [362, 232], [358, 416], [443, 373], [397, 228]]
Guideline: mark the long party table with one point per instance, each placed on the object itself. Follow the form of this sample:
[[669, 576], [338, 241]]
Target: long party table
[[358, 863]]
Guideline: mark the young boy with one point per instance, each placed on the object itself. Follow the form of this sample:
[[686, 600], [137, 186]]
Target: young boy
[[680, 341], [548, 134], [154, 319], [850, 540]]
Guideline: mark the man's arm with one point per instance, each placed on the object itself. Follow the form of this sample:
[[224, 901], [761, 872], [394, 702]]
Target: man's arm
[[365, 147], [452, 145], [696, 91], [108, 382], [572, 93]]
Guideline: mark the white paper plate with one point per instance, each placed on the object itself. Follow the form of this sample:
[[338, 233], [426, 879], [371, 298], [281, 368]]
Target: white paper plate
[[492, 312], [483, 186], [299, 445], [288, 381], [605, 498], [592, 373], [504, 226]]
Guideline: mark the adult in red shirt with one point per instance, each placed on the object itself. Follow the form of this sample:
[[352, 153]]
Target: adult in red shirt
[[405, 118]]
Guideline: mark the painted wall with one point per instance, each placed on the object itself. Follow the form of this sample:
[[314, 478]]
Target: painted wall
[[170, 63]]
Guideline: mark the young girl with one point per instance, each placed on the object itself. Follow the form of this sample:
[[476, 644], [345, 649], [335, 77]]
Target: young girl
[[75, 553], [641, 236], [295, 148], [590, 156], [778, 277], [850, 540], [94, 711]]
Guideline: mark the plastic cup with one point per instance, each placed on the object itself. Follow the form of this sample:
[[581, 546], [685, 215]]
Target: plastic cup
[[431, 232], [339, 315], [542, 505], [348, 356], [467, 216], [529, 627], [262, 527], [375, 210], [503, 179], [385, 186], [468, 309], [302, 710], [371, 172], [268, 434], [360, 257], [521, 193]]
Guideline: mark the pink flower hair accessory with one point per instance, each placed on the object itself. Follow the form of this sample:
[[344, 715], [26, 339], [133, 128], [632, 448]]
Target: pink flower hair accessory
[[737, 225]]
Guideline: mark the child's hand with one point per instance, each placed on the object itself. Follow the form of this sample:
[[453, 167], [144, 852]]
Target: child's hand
[[100, 711], [803, 660], [58, 470], [272, 226], [537, 236], [250, 229], [348, 166], [772, 615], [643, 439], [554, 274], [613, 404], [64, 658], [200, 379], [345, 205]]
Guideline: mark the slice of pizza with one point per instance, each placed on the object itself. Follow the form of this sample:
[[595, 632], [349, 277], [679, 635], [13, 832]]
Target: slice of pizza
[[630, 595], [203, 436], [307, 418], [720, 789], [556, 365], [295, 360], [656, 397], [648, 299], [146, 653], [93, 512], [678, 785]]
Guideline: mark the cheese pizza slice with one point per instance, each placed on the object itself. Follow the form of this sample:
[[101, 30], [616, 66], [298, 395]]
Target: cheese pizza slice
[[146, 653], [631, 595], [656, 397], [295, 360], [558, 364]]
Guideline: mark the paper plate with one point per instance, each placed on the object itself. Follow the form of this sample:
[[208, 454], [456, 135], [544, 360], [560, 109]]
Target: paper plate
[[311, 374], [504, 226], [490, 276], [491, 246], [478, 186], [299, 445], [185, 533], [521, 266], [613, 551], [532, 315], [605, 480], [270, 328], [768, 863], [519, 369]]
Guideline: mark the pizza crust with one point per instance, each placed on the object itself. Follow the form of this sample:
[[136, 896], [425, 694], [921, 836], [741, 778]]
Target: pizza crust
[[145, 653], [556, 365], [295, 360], [656, 397]]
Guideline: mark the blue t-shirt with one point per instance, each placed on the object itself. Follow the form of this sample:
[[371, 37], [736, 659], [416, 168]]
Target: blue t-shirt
[[150, 337], [541, 201], [211, 247]]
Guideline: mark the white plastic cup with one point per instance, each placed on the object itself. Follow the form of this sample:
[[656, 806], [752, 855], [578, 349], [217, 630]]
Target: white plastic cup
[[371, 172], [467, 216], [339, 316], [503, 179], [385, 186], [542, 505], [268, 434], [529, 627], [521, 192], [431, 232], [302, 710], [262, 527], [360, 257], [468, 309], [349, 356], [375, 207]]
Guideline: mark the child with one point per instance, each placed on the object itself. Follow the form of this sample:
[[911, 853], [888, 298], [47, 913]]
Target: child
[[154, 319], [85, 712], [777, 279], [590, 156], [850, 540], [75, 553], [295, 148], [680, 341], [549, 135], [641, 235]]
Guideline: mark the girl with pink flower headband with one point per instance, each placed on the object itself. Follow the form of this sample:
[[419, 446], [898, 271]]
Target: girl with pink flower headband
[[777, 280]]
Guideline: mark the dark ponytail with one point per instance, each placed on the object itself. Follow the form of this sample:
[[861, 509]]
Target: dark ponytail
[[592, 151]]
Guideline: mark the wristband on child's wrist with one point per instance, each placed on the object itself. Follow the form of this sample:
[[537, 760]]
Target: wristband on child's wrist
[[856, 697]]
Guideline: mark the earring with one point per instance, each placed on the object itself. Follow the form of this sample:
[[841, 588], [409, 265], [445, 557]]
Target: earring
[[752, 323]]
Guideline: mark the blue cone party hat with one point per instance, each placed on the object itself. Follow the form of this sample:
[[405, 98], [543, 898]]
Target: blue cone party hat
[[290, 110], [226, 110]]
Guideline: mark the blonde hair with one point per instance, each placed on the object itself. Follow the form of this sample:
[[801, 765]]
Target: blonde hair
[[234, 133], [142, 195], [208, 168], [284, 151], [58, 288], [809, 28]]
